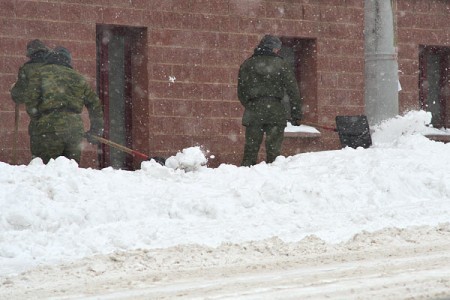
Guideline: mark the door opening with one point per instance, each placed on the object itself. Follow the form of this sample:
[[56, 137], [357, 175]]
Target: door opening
[[300, 53], [122, 88], [434, 83]]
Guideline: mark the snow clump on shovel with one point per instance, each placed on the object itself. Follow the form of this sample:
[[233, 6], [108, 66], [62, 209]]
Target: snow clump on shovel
[[190, 159]]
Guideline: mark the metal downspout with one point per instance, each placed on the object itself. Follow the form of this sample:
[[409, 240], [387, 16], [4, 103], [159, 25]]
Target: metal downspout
[[381, 67]]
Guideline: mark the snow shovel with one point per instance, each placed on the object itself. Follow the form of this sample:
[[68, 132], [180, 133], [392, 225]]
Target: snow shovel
[[353, 131], [158, 159]]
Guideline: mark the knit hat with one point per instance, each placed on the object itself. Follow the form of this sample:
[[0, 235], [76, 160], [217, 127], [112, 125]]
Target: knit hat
[[270, 41], [63, 53], [35, 46]]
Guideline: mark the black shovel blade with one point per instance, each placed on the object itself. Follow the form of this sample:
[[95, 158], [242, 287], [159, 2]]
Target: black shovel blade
[[353, 131], [160, 160]]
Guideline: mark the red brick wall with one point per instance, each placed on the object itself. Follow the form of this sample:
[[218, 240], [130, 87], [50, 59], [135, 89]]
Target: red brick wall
[[201, 43], [418, 23]]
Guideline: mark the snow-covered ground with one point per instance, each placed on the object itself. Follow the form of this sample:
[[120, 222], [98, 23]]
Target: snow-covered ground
[[120, 234]]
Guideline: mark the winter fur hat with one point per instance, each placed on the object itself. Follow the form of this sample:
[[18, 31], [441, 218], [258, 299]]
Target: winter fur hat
[[35, 46], [61, 55], [64, 53], [270, 41]]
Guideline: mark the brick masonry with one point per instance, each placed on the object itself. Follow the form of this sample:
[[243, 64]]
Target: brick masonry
[[418, 23], [202, 43]]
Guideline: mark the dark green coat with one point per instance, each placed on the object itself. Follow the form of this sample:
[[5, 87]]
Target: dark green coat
[[55, 97], [27, 71], [263, 81]]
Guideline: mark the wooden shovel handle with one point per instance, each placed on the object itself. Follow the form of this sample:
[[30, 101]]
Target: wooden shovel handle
[[120, 147]]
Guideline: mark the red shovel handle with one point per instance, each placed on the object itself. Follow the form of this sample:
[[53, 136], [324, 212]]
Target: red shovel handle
[[121, 147], [139, 154], [318, 125]]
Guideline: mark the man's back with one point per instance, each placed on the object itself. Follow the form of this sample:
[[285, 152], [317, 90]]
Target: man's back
[[262, 76], [27, 71], [59, 94], [62, 89]]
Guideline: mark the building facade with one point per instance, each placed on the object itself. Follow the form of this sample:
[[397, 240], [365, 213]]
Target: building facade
[[166, 70]]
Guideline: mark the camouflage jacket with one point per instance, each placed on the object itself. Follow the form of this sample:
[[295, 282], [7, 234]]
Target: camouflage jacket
[[27, 71], [263, 80], [56, 96]]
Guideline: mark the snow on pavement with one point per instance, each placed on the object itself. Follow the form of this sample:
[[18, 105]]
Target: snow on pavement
[[59, 212]]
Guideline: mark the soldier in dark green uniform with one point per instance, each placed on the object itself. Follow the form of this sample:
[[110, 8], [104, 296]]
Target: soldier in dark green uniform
[[56, 95], [263, 80], [36, 52]]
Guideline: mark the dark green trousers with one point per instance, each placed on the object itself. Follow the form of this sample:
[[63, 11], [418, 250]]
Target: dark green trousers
[[53, 144], [253, 138]]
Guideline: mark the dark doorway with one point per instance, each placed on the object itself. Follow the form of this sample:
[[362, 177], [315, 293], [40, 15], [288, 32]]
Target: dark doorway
[[434, 83], [301, 53], [122, 88]]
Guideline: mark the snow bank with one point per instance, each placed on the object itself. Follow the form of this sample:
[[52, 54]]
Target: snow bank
[[60, 212]]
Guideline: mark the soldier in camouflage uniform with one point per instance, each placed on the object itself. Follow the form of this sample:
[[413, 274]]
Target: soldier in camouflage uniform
[[36, 52], [262, 82], [56, 95]]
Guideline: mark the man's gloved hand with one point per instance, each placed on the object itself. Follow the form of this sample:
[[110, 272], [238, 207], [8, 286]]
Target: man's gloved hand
[[90, 135]]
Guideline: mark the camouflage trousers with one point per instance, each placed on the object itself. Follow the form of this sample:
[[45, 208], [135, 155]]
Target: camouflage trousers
[[253, 138], [55, 144]]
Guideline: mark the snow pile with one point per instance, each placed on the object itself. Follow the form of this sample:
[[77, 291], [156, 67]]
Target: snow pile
[[60, 212], [301, 128], [413, 123], [190, 159]]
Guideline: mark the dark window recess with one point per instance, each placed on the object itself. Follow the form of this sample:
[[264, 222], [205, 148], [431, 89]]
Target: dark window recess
[[434, 83], [302, 56], [121, 56]]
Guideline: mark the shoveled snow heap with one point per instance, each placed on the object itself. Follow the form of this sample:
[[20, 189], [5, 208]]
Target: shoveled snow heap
[[59, 212], [190, 159], [395, 130]]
